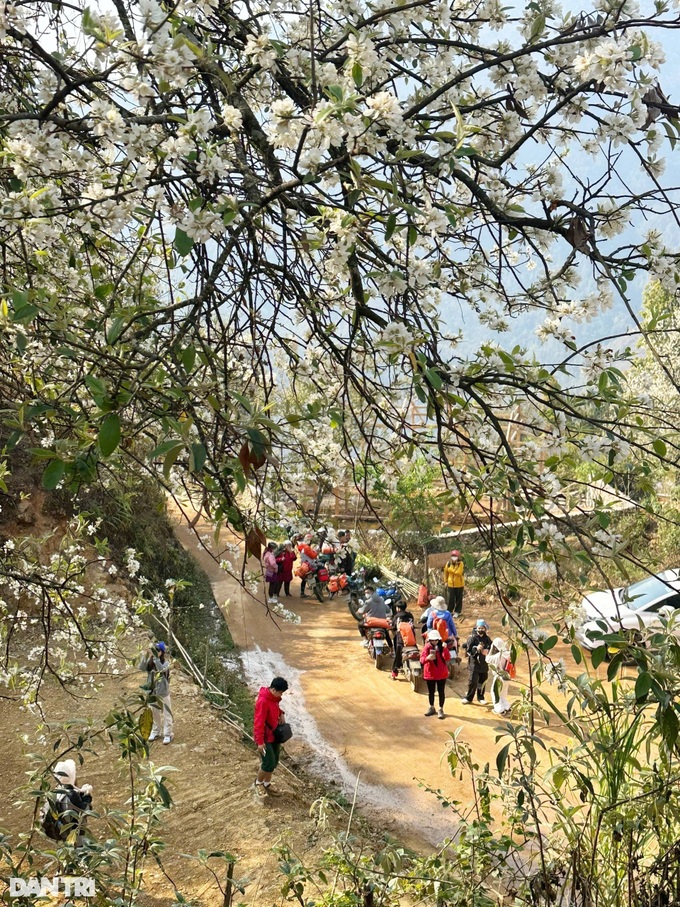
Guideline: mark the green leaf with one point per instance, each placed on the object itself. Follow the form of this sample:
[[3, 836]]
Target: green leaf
[[358, 75], [599, 655], [197, 457], [659, 447], [164, 447], [95, 386], [642, 686], [183, 243], [636, 52], [670, 132], [669, 726], [537, 27], [390, 226], [614, 665], [103, 291], [115, 330], [25, 313], [53, 474], [576, 654], [189, 358], [501, 759], [109, 434], [170, 459]]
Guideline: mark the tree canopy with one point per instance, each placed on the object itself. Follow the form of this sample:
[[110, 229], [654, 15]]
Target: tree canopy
[[233, 236]]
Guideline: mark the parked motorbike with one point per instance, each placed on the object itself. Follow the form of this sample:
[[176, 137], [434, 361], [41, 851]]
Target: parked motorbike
[[412, 668], [317, 577], [356, 584], [378, 647], [338, 582], [393, 594]]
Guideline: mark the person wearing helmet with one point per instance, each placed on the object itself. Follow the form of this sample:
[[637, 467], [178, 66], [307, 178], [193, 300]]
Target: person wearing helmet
[[435, 659], [454, 581], [155, 663], [478, 647]]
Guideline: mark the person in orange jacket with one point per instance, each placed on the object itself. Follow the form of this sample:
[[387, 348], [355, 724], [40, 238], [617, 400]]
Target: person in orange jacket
[[454, 580], [307, 556]]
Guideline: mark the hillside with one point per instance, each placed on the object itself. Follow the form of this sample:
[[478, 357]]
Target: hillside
[[210, 771]]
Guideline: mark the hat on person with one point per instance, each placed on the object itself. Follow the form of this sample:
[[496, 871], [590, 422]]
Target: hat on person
[[499, 644], [481, 623], [65, 772], [161, 646], [434, 635], [455, 553], [438, 603]]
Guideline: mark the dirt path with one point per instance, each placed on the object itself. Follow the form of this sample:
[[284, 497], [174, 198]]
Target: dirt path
[[353, 723]]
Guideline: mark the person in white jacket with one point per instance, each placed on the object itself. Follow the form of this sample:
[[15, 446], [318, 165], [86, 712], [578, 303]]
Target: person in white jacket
[[498, 660]]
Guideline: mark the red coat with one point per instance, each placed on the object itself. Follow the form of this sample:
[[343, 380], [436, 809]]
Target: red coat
[[435, 670], [287, 558], [267, 712]]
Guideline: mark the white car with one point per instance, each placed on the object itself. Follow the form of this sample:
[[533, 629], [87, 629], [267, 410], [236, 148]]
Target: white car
[[631, 607]]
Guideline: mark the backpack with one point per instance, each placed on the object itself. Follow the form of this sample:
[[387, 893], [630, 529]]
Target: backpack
[[442, 628], [55, 822], [406, 631]]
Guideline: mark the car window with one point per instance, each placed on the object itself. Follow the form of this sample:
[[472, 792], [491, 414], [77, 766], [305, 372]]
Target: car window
[[671, 601], [639, 595]]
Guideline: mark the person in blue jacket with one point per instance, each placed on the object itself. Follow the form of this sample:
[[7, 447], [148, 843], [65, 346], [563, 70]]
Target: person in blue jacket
[[439, 611]]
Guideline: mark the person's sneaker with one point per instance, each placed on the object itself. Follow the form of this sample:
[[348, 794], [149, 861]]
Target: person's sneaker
[[154, 735], [364, 643], [394, 675], [430, 711], [167, 739], [440, 714], [482, 701], [466, 701], [270, 790], [260, 792]]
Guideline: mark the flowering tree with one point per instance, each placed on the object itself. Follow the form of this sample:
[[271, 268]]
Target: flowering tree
[[203, 205]]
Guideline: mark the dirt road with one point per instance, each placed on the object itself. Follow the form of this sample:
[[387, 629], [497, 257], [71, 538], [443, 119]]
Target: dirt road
[[354, 724]]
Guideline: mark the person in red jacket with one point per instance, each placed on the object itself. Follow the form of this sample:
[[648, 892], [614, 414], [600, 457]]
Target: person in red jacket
[[268, 714], [286, 560], [435, 659]]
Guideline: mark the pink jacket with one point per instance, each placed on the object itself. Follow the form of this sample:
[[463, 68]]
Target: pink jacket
[[271, 568], [435, 670]]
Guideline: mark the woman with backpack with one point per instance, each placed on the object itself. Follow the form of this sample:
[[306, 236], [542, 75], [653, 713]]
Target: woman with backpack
[[404, 635], [64, 812], [441, 619], [435, 659]]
